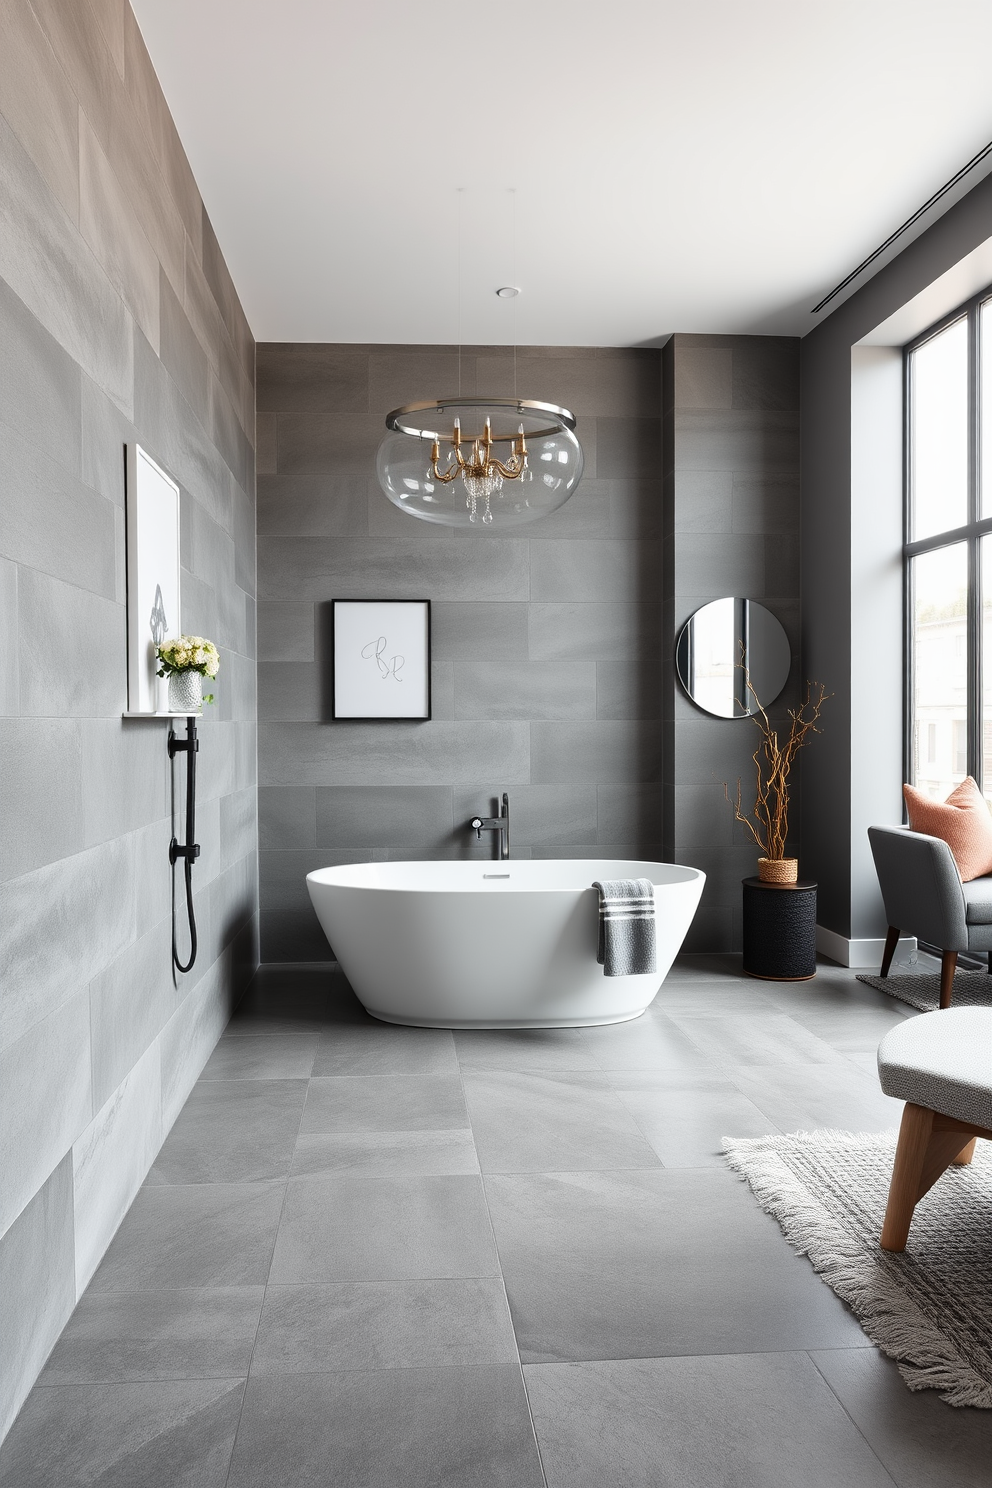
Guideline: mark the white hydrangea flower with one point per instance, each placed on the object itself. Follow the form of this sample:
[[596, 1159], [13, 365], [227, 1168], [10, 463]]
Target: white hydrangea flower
[[189, 653]]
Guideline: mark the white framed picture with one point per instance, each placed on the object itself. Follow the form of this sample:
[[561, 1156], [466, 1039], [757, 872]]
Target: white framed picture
[[152, 522], [382, 658]]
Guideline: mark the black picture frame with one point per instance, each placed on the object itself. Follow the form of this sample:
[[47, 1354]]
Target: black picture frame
[[371, 671]]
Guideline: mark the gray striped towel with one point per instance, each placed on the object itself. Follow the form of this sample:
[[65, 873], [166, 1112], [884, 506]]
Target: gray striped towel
[[626, 926]]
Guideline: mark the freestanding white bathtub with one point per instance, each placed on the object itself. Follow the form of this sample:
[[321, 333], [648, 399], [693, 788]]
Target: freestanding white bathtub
[[492, 945]]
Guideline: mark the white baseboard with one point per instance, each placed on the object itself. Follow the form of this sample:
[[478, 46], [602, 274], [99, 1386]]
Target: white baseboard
[[862, 955]]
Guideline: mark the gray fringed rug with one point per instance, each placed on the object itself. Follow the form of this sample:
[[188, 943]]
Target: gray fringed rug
[[971, 989], [930, 1308]]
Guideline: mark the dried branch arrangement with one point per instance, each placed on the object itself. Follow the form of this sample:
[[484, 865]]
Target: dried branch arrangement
[[772, 762]]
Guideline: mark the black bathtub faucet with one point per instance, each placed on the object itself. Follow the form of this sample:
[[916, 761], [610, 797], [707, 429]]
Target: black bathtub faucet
[[499, 824]]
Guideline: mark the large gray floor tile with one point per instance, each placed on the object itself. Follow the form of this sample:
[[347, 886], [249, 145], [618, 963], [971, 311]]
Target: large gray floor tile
[[524, 1049], [385, 1295], [651, 1042], [384, 1325], [696, 998], [363, 1103], [233, 1131], [650, 1264], [205, 1235], [419, 1428], [832, 987], [686, 1116], [841, 1095], [866, 1061], [267, 1056], [170, 1434], [744, 1421], [551, 1121], [849, 1016], [197, 1333], [707, 966], [382, 1153], [373, 1048], [755, 1038], [855, 1030], [295, 1000], [352, 1227], [923, 1442]]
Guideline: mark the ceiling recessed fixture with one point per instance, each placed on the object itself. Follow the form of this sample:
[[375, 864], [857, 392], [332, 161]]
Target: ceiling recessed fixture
[[508, 291], [479, 462]]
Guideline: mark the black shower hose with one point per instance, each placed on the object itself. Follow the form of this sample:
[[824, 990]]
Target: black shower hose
[[190, 852], [191, 917]]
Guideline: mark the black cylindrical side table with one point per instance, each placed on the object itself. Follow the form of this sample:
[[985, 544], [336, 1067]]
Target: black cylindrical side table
[[780, 930]]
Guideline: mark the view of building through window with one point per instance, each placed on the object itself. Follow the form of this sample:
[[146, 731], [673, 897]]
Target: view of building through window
[[949, 552]]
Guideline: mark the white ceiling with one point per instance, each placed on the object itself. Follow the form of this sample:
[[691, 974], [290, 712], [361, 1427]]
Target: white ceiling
[[690, 165]]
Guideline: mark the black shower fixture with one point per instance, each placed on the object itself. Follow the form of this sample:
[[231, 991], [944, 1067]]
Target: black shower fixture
[[188, 851]]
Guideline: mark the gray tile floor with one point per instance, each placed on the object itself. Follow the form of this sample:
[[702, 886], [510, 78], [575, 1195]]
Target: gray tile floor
[[398, 1258]]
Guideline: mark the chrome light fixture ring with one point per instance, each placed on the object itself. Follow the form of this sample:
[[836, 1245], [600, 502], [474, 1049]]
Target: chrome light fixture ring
[[401, 421], [432, 468]]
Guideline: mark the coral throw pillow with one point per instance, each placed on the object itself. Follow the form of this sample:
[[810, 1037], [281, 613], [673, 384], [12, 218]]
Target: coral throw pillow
[[963, 821]]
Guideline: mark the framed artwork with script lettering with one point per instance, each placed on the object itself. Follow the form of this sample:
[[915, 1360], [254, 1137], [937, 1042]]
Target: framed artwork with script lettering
[[382, 658]]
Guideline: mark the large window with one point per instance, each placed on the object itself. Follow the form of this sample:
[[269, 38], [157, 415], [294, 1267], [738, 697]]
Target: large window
[[949, 551]]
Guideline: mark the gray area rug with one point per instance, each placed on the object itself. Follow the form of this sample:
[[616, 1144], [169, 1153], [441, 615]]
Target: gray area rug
[[930, 1308], [971, 989]]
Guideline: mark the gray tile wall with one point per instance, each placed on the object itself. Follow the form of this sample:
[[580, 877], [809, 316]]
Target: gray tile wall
[[118, 320], [547, 666], [732, 527]]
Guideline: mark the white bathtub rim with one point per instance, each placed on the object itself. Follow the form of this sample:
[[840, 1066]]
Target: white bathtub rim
[[494, 882]]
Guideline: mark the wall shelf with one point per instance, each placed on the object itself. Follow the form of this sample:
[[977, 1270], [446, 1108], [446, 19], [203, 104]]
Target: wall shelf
[[162, 715]]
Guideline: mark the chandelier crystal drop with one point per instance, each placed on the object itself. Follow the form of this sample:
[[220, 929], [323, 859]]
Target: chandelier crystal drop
[[490, 462]]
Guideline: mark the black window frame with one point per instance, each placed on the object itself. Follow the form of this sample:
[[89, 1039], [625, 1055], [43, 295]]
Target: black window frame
[[971, 533]]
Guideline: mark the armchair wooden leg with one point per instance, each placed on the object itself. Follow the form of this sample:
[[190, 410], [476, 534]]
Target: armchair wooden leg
[[966, 1154], [891, 941], [948, 963]]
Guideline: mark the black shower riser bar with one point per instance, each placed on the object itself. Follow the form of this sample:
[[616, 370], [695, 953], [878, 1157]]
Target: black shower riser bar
[[189, 851]]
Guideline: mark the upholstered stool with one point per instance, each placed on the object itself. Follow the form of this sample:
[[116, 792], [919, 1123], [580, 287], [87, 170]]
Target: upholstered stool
[[940, 1064]]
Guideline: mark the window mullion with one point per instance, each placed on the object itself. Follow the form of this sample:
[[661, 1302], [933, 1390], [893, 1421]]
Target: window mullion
[[908, 679], [975, 700], [974, 654]]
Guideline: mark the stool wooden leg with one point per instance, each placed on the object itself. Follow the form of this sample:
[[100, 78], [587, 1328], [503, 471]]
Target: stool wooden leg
[[948, 962], [907, 1170], [891, 941], [928, 1145]]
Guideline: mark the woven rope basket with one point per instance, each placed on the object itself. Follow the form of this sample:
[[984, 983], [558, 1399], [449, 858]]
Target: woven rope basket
[[778, 870]]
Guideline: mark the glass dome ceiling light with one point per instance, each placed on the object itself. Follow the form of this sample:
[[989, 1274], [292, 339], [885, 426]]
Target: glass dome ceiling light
[[479, 462]]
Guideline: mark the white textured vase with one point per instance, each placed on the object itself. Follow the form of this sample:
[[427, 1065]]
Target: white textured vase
[[185, 692]]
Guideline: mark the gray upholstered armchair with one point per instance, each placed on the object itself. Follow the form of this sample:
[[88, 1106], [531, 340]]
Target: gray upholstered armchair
[[924, 896]]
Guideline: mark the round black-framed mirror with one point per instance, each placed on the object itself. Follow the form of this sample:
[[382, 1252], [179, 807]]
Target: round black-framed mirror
[[722, 641]]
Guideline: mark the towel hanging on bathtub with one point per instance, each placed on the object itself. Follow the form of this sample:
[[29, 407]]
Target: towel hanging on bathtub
[[626, 926]]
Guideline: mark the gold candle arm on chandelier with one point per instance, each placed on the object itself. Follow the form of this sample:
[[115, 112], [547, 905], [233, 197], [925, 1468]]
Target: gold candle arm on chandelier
[[482, 462]]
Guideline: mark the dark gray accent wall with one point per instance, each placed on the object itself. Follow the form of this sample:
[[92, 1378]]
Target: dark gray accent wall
[[731, 528], [844, 557], [547, 641], [118, 320]]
